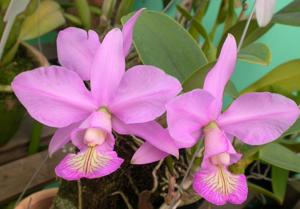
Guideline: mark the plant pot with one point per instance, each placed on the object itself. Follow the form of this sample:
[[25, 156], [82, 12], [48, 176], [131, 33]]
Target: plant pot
[[11, 110], [39, 200]]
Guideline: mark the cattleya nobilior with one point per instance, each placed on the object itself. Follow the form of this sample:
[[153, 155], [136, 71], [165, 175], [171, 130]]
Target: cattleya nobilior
[[116, 100], [254, 118]]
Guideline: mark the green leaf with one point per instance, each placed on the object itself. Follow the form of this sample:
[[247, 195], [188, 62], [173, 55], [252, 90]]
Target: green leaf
[[107, 9], [124, 8], [278, 155], [12, 113], [200, 8], [208, 48], [294, 129], [196, 80], [231, 16], [10, 54], [73, 19], [84, 12], [260, 190], [254, 32], [231, 90], [285, 76], [279, 182], [46, 18], [257, 53], [162, 42], [35, 139], [95, 10], [289, 15]]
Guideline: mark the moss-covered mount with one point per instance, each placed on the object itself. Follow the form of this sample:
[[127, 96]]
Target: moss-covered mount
[[132, 181]]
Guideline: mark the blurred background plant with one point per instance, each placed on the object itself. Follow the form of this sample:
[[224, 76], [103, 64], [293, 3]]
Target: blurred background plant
[[22, 21]]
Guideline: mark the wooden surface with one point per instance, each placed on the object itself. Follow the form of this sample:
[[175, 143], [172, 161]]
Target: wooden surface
[[15, 175], [17, 147]]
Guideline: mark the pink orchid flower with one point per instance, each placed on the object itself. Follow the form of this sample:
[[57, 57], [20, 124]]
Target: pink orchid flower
[[117, 100], [254, 118], [76, 48]]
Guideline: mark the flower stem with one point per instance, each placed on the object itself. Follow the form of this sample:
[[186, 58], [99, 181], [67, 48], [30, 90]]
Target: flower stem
[[246, 27], [180, 188], [32, 178], [198, 148]]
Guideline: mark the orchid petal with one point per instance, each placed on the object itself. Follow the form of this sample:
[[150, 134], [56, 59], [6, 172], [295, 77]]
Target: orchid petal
[[187, 114], [219, 75], [259, 118], [128, 31], [76, 49], [147, 153], [218, 186], [152, 132], [89, 163], [264, 11], [60, 138], [108, 67], [143, 92], [53, 95]]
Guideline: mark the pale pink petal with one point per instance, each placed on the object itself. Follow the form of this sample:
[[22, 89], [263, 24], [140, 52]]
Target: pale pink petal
[[76, 49], [152, 132], [128, 31], [219, 75], [259, 118], [218, 186], [61, 137], [89, 163], [187, 114], [143, 92], [108, 67], [147, 153], [97, 120], [264, 11], [53, 95]]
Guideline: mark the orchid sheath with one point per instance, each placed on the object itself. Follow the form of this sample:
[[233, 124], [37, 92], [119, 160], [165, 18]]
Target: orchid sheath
[[116, 100], [254, 118]]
